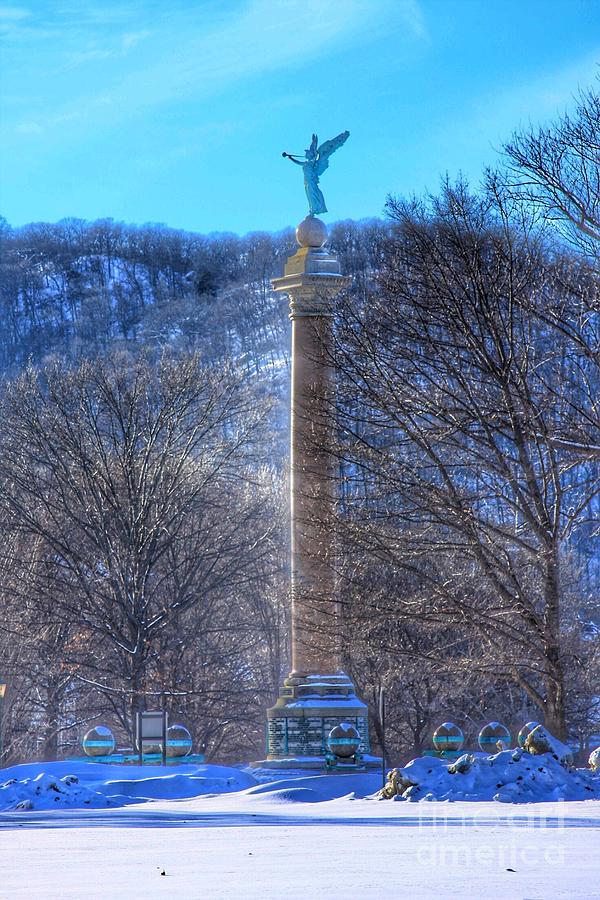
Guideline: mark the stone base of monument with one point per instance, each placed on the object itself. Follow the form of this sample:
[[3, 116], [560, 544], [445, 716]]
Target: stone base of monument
[[298, 726]]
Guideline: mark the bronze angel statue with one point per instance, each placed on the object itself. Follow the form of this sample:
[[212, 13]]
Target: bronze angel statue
[[314, 163]]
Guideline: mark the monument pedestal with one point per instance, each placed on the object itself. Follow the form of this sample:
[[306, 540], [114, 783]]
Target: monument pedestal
[[317, 695], [308, 708]]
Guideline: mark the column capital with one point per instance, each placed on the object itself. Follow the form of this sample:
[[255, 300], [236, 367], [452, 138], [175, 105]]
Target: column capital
[[311, 295], [312, 279]]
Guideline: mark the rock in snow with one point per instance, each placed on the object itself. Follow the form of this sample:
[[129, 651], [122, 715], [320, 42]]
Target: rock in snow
[[539, 742]]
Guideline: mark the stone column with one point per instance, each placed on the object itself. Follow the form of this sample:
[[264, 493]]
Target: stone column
[[315, 607], [316, 695]]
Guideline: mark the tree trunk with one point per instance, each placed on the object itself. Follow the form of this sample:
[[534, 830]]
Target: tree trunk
[[554, 710], [50, 745]]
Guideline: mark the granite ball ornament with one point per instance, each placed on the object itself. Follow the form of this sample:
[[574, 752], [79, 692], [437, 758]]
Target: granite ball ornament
[[99, 741], [311, 232], [493, 737], [343, 740], [448, 737], [179, 742], [525, 732]]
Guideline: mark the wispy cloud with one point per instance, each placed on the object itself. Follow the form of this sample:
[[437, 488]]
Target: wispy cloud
[[414, 18], [10, 19], [13, 13], [489, 119], [133, 38], [116, 47], [29, 128], [542, 98], [188, 52]]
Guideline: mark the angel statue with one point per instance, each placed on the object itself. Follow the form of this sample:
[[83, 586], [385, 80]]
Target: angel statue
[[314, 163]]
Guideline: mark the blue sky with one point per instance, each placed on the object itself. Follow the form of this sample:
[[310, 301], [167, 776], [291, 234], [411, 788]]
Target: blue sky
[[177, 111]]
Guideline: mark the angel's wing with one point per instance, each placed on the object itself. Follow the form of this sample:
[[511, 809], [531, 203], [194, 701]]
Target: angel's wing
[[327, 148]]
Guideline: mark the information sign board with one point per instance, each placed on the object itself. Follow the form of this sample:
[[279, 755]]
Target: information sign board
[[152, 727]]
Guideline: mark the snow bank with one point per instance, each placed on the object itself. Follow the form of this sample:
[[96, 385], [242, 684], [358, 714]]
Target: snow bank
[[511, 776], [316, 788], [47, 792], [95, 785]]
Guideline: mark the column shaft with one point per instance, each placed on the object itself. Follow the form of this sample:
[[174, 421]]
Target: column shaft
[[315, 607]]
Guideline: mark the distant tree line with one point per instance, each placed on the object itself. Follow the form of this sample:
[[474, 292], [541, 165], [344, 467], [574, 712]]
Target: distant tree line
[[77, 289]]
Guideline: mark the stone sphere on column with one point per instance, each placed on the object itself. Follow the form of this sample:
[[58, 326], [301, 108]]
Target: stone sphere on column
[[311, 232]]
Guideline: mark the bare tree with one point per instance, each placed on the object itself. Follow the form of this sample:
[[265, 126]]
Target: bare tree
[[557, 168], [453, 391], [555, 171], [137, 479]]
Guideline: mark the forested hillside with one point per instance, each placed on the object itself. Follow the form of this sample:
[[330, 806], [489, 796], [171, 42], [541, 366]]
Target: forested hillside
[[76, 289]]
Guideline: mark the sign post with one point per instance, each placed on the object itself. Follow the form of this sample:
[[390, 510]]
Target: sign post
[[2, 690], [382, 720], [151, 727]]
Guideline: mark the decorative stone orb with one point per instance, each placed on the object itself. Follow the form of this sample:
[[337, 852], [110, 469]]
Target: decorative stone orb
[[525, 732], [343, 740], [448, 737], [179, 741], [311, 232], [594, 760], [99, 741], [493, 734]]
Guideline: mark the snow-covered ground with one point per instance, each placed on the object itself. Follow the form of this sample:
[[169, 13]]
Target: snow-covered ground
[[217, 832]]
